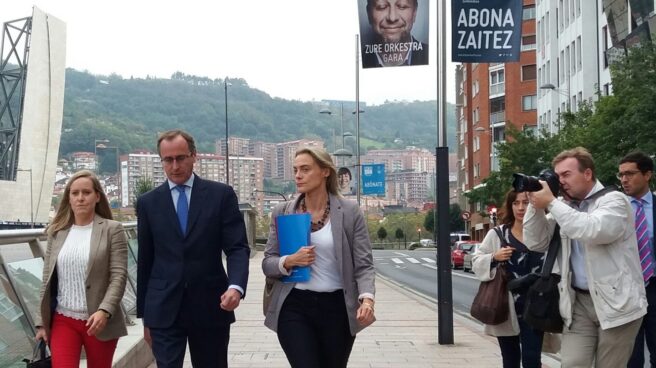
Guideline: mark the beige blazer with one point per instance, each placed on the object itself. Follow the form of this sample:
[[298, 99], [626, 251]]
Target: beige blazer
[[353, 252], [105, 278]]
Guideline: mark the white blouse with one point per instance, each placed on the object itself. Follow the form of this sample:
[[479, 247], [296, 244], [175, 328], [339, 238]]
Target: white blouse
[[324, 274], [71, 273]]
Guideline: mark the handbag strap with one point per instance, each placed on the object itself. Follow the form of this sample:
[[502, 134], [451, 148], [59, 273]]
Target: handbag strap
[[554, 246], [499, 232], [39, 352]]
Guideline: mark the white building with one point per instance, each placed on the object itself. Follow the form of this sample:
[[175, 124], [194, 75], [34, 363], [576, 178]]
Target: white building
[[572, 40]]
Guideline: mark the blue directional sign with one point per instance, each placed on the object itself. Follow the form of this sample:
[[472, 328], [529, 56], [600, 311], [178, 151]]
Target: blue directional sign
[[373, 179]]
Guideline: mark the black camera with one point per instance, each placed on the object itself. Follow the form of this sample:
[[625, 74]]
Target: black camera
[[525, 183]]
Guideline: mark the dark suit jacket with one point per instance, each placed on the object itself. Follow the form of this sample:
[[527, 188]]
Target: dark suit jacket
[[352, 250], [174, 269], [105, 281]]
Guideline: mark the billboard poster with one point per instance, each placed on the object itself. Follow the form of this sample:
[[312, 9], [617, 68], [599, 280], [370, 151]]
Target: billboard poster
[[393, 32], [346, 181], [373, 179], [486, 31]]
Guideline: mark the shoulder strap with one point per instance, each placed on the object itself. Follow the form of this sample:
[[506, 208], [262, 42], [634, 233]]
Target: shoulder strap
[[554, 246], [608, 189], [499, 232]]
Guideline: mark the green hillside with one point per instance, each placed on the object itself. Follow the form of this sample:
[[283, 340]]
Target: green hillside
[[130, 112]]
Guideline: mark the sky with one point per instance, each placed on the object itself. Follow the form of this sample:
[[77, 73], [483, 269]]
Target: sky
[[297, 49]]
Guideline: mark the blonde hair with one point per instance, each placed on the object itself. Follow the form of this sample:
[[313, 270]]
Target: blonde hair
[[64, 217], [322, 158]]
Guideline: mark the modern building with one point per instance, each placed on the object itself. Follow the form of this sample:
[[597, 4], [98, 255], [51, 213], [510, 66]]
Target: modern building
[[571, 57], [411, 158], [488, 98], [285, 153], [237, 146], [84, 161], [266, 151], [409, 187]]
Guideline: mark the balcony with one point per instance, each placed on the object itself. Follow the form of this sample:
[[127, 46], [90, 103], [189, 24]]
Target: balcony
[[497, 117]]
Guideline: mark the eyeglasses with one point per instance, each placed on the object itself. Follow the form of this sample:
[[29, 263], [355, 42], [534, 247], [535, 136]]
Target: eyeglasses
[[629, 174], [179, 159]]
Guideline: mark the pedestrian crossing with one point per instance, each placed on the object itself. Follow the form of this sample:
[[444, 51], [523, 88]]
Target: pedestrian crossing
[[402, 260], [405, 260]]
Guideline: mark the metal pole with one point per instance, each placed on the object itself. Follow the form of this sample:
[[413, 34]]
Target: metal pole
[[341, 120], [227, 167], [357, 116], [444, 286], [31, 199]]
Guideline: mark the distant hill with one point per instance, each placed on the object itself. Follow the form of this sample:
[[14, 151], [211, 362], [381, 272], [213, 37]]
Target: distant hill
[[130, 112]]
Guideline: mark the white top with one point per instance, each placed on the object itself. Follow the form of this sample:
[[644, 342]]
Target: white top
[[71, 273], [324, 272]]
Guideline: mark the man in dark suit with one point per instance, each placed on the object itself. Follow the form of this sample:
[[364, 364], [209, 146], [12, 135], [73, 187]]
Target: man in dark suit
[[393, 44], [183, 292], [635, 172]]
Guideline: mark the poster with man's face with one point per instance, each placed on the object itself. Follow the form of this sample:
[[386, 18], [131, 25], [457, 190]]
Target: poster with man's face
[[393, 32]]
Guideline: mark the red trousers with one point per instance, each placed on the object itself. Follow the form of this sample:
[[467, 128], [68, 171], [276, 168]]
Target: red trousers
[[67, 337]]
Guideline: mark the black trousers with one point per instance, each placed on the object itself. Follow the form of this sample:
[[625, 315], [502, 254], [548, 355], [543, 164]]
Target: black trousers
[[647, 332], [313, 329]]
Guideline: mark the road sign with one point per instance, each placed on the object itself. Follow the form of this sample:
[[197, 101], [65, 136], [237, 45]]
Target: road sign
[[466, 215]]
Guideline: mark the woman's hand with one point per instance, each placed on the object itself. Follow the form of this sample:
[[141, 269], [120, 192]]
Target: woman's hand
[[305, 256], [365, 313], [503, 254], [97, 322], [41, 334]]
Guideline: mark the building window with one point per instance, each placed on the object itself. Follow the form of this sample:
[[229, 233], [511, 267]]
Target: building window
[[529, 43], [497, 81], [529, 102], [528, 72], [604, 40], [579, 64], [529, 12]]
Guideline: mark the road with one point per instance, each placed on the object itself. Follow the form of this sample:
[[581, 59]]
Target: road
[[417, 269]]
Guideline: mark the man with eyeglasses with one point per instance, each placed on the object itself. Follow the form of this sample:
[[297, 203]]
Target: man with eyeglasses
[[635, 172], [183, 292]]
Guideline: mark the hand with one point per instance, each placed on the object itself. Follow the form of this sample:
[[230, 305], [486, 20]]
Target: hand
[[230, 299], [365, 313], [541, 198], [305, 256], [147, 338], [41, 334], [96, 323], [503, 254]]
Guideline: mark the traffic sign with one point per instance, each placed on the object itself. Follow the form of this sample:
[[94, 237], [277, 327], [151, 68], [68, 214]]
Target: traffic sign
[[466, 215]]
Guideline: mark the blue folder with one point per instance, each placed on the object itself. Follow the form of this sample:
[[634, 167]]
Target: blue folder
[[293, 233]]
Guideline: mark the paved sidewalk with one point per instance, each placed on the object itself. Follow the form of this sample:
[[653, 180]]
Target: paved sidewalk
[[404, 335]]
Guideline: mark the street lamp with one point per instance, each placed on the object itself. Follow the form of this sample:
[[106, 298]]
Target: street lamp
[[31, 197], [553, 88], [270, 192], [357, 113], [482, 130], [225, 93], [419, 233]]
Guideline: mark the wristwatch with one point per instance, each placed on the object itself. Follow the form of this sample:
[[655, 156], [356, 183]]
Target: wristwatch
[[107, 314]]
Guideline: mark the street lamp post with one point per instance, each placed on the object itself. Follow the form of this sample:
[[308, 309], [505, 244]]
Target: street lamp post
[[357, 113], [567, 95], [270, 192], [225, 93], [31, 197]]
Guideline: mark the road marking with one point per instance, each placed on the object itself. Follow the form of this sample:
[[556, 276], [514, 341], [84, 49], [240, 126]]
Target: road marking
[[472, 277], [412, 260], [401, 254], [429, 266], [396, 260], [383, 263], [429, 260]]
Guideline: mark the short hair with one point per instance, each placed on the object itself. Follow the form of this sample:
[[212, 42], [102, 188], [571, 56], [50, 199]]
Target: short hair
[[582, 156], [344, 170], [64, 217], [171, 134], [641, 159], [322, 158]]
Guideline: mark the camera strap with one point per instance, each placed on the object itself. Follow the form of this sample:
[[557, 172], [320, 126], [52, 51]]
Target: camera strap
[[605, 190]]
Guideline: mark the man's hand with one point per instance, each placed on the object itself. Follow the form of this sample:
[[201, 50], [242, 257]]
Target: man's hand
[[230, 299], [147, 337], [541, 198]]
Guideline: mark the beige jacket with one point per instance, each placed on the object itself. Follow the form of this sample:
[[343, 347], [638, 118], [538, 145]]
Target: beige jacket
[[106, 276], [353, 253]]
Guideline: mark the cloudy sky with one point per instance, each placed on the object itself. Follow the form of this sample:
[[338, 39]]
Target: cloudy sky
[[296, 49]]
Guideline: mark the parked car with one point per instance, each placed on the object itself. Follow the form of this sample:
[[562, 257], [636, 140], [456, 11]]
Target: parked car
[[455, 237], [458, 252], [467, 263]]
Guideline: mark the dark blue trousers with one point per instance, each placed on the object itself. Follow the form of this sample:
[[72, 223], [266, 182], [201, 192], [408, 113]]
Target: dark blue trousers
[[647, 332], [313, 329], [526, 348]]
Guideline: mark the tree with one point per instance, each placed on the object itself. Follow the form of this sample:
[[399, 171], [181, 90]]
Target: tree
[[142, 185], [382, 233], [398, 234], [455, 220]]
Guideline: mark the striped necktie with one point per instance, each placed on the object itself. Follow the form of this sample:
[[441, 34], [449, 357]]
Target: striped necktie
[[644, 248], [183, 208]]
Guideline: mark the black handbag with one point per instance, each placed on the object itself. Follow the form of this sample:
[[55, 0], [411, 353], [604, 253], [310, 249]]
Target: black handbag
[[490, 304], [39, 357], [541, 308]]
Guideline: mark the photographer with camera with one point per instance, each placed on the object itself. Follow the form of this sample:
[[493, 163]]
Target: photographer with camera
[[517, 340], [602, 294]]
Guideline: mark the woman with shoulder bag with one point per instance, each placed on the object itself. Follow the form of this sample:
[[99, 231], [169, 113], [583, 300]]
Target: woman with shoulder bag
[[519, 343]]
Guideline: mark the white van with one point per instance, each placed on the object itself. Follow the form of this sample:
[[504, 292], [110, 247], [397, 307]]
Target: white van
[[458, 237]]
